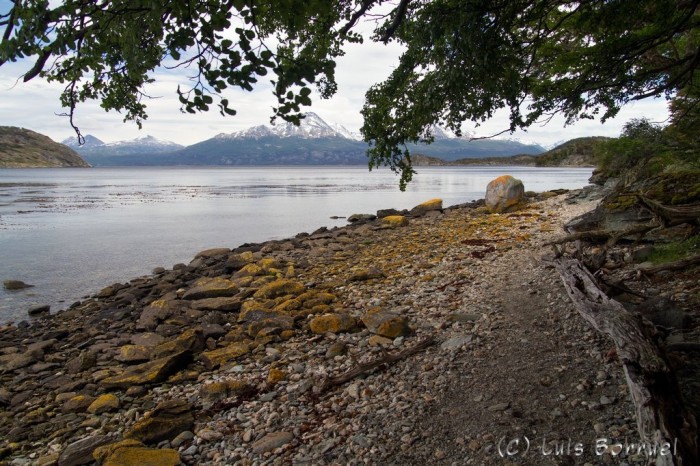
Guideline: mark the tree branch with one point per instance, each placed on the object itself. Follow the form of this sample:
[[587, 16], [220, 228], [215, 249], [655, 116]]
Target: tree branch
[[396, 22]]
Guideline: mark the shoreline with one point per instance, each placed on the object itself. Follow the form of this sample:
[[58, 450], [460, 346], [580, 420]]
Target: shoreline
[[234, 346]]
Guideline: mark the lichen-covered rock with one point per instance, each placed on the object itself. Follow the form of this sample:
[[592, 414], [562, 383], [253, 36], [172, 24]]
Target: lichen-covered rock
[[275, 376], [385, 323], [77, 404], [140, 456], [165, 422], [211, 287], [133, 354], [427, 206], [80, 452], [105, 451], [219, 390], [360, 275], [219, 356], [190, 340], [333, 323], [231, 304], [149, 372], [504, 193], [237, 261], [394, 221], [249, 270], [104, 403], [281, 287]]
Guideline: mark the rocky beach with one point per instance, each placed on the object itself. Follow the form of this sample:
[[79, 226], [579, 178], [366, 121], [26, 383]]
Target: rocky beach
[[436, 337]]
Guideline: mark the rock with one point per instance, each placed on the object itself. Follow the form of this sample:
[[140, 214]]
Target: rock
[[147, 339], [387, 212], [217, 357], [231, 304], [39, 310], [217, 391], [385, 323], [86, 360], [281, 287], [237, 261], [214, 252], [80, 452], [663, 312], [155, 312], [165, 422], [275, 376], [498, 407], [504, 193], [354, 218], [337, 348], [428, 206], [190, 340], [333, 323], [359, 275], [103, 404], [133, 354], [394, 221], [272, 441], [13, 285], [77, 404], [378, 340], [140, 456], [249, 270], [208, 287], [456, 342], [181, 438], [105, 451], [14, 361], [149, 372]]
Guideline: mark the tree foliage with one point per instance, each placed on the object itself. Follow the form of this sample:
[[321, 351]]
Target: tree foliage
[[463, 60]]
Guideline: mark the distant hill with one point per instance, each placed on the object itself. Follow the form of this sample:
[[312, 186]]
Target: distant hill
[[314, 142], [99, 153], [23, 148], [578, 152]]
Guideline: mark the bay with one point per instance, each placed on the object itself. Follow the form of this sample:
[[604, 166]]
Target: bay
[[71, 232]]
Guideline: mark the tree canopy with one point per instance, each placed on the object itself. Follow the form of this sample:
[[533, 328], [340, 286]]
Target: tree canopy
[[463, 59]]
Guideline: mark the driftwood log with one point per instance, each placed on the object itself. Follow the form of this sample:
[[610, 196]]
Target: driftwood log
[[677, 265], [382, 361], [661, 415], [670, 216]]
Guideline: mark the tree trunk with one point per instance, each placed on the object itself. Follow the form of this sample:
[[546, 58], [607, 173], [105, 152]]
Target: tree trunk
[[661, 415]]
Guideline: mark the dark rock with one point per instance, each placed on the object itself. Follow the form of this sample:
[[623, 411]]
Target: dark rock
[[387, 212], [354, 218], [80, 452], [84, 361], [39, 310], [15, 285], [663, 312], [150, 372], [165, 422]]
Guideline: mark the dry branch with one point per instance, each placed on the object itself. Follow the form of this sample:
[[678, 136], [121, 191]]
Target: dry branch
[[660, 411], [670, 215], [603, 235], [385, 360], [677, 265]]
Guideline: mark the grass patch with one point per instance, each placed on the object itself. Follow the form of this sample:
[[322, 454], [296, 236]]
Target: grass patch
[[675, 251]]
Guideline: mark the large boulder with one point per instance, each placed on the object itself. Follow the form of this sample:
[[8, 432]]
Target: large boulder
[[427, 206], [504, 194]]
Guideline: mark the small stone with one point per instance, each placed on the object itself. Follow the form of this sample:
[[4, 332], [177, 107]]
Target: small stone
[[272, 441], [333, 323], [337, 348], [378, 340], [140, 456], [210, 435], [275, 376], [498, 407], [440, 454], [385, 323], [181, 438]]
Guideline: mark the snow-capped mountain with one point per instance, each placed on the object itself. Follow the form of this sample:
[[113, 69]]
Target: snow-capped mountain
[[90, 142], [145, 145], [312, 127]]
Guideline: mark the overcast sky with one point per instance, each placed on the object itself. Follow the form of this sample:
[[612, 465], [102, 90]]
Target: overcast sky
[[35, 105]]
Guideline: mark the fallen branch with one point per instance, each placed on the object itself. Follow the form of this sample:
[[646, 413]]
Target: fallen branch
[[385, 360], [670, 216], [661, 414], [677, 265], [603, 235]]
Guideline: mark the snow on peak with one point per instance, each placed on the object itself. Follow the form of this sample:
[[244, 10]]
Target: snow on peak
[[312, 126]]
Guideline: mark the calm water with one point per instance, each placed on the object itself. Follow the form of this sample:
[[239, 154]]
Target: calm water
[[70, 232]]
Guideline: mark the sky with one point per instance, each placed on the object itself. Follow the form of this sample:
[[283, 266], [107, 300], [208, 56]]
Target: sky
[[35, 105]]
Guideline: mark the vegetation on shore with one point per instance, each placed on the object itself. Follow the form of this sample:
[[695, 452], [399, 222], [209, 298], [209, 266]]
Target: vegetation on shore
[[23, 148]]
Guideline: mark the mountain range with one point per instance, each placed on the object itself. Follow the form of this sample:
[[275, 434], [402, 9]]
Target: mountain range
[[314, 142]]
